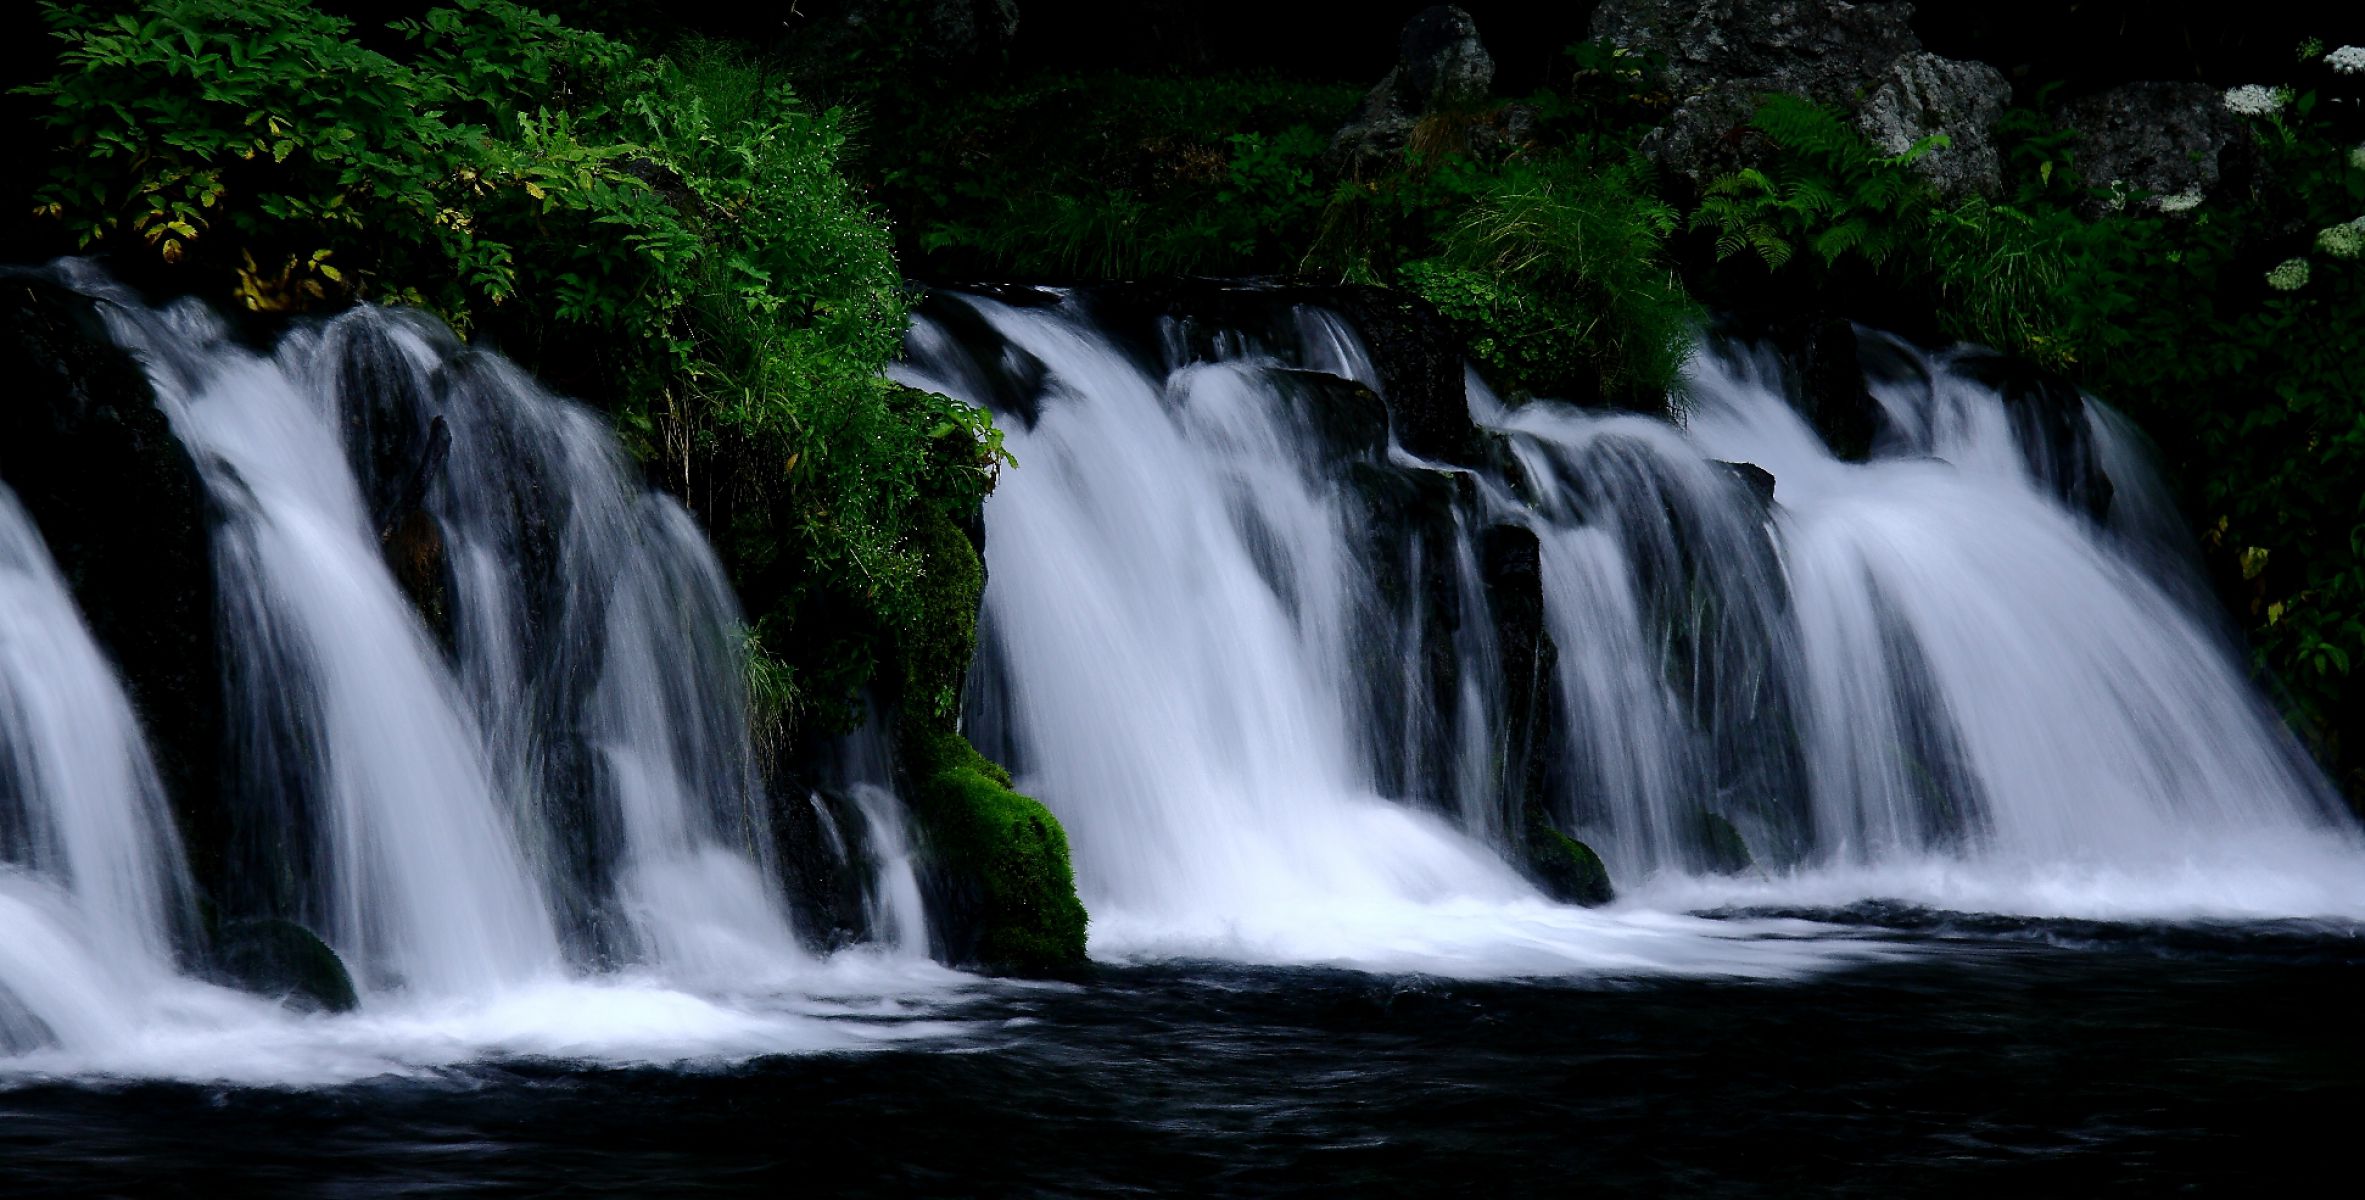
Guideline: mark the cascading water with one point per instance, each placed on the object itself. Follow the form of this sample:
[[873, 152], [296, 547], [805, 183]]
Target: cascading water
[[1941, 675], [90, 879], [533, 823]]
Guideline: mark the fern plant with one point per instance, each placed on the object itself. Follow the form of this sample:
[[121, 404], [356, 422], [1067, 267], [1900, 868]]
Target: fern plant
[[1829, 190]]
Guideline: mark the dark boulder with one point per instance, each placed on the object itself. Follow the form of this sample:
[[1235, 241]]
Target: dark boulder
[[1717, 846], [284, 959], [120, 503], [1442, 69], [826, 864], [2166, 142], [1566, 869], [1861, 58], [2056, 434]]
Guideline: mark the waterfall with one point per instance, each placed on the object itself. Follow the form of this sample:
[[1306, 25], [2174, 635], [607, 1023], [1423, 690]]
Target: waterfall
[[90, 881], [489, 739], [1266, 692]]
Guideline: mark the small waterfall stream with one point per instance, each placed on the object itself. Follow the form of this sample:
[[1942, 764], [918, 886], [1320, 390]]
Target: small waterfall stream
[[1937, 676], [516, 793], [1297, 693]]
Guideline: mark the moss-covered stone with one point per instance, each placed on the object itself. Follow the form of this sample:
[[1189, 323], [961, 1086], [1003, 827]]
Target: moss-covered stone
[[1002, 894], [120, 503], [994, 864], [1719, 845], [282, 958], [1567, 869]]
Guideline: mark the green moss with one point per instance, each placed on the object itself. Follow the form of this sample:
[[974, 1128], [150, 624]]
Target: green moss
[[1002, 892], [997, 861], [936, 649], [1566, 868]]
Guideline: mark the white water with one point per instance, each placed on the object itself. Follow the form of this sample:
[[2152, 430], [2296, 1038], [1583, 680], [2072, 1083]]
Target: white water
[[90, 883], [551, 842], [1923, 678]]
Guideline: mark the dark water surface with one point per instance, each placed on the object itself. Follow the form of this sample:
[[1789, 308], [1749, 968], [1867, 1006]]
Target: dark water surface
[[2052, 1058]]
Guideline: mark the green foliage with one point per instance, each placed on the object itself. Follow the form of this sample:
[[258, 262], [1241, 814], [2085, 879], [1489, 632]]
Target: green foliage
[[1107, 177], [1830, 192], [670, 235], [1558, 270]]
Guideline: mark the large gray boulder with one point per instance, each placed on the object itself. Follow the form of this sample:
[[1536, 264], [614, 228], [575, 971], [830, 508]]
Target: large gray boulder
[[2165, 142], [1441, 67], [1860, 58]]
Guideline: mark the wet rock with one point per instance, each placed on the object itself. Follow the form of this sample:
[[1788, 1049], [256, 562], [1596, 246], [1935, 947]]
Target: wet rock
[[1566, 869], [826, 860], [1717, 846], [120, 503], [2056, 435], [1757, 479], [1510, 565], [2161, 140], [1860, 58], [284, 959], [1441, 68]]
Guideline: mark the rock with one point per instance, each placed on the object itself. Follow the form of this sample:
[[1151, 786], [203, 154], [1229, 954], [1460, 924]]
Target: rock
[[1442, 62], [1566, 869], [826, 862], [1923, 96], [1757, 479], [1717, 846], [936, 36], [994, 867], [282, 958], [993, 864], [126, 516], [2049, 418], [1441, 67], [1860, 58], [2158, 139], [1420, 360]]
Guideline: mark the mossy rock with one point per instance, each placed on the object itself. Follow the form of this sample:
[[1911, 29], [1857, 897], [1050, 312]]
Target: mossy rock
[[1568, 870], [281, 958], [1002, 894], [1719, 844]]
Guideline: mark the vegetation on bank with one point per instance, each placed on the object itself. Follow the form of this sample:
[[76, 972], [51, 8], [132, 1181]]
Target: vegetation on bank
[[672, 232], [669, 237]]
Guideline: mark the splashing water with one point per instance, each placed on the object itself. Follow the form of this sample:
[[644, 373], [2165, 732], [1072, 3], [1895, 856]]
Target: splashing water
[[1938, 675], [533, 828]]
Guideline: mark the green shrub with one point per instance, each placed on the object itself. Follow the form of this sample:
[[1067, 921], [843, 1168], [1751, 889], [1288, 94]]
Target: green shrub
[[1558, 271], [669, 235]]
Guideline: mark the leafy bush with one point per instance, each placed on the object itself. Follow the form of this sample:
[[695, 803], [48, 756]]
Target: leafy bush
[[668, 235], [1558, 269]]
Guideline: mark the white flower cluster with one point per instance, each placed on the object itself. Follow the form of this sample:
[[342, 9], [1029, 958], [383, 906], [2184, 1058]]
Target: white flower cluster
[[2291, 276], [2357, 157], [2180, 202], [2342, 241], [2348, 60], [2254, 100]]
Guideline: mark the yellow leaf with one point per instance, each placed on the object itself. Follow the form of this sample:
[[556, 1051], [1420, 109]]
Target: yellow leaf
[[2253, 561], [535, 190], [2274, 612]]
